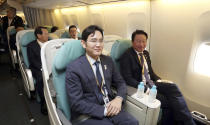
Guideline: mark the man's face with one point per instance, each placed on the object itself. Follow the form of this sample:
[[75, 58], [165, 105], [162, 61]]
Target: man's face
[[73, 33], [140, 42], [10, 14], [44, 36], [94, 44]]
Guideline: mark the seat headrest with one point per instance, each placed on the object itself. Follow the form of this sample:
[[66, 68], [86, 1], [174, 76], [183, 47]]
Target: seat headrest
[[119, 47], [27, 38], [68, 52], [65, 35]]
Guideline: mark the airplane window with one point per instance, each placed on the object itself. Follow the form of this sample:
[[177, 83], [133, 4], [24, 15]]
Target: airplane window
[[202, 60]]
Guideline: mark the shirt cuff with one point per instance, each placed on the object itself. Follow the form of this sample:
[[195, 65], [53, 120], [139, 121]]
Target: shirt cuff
[[105, 111], [119, 97]]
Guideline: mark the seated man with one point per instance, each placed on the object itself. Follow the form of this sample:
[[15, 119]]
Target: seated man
[[135, 66], [12, 40], [73, 32], [88, 82], [34, 58]]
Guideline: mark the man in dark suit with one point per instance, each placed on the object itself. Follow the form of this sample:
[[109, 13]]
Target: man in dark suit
[[88, 83], [135, 66], [34, 58], [10, 20], [12, 40]]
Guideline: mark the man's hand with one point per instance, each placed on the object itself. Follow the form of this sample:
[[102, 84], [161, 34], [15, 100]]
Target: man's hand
[[114, 106]]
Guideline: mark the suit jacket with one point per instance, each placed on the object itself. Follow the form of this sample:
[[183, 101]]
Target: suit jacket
[[82, 89], [34, 58], [16, 20], [131, 68]]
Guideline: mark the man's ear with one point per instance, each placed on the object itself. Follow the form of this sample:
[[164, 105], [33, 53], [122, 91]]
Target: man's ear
[[38, 36], [83, 44]]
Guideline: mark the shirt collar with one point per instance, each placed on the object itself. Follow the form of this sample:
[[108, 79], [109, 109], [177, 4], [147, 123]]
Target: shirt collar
[[92, 61], [138, 52], [40, 43]]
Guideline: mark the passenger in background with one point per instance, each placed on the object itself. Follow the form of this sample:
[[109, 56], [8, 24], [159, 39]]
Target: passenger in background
[[88, 84], [135, 66], [34, 57], [53, 29], [10, 20], [73, 32], [18, 27]]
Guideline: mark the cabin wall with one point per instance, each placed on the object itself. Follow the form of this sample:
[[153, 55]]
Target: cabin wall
[[174, 42], [120, 18]]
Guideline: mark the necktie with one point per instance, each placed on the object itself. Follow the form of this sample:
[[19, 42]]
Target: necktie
[[98, 74], [144, 70], [99, 82]]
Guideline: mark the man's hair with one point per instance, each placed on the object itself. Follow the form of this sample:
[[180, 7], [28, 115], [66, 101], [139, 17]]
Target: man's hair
[[138, 32], [72, 26], [54, 28], [12, 9], [89, 30], [38, 30]]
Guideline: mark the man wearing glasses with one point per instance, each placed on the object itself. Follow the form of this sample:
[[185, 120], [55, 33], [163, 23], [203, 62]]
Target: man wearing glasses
[[88, 82]]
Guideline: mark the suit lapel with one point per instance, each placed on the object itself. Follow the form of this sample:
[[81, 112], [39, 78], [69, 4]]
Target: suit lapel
[[133, 52]]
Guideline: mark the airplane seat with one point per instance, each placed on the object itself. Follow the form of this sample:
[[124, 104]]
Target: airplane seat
[[65, 35], [10, 31], [142, 110], [118, 48], [27, 37], [53, 36], [59, 32], [68, 52], [108, 42], [48, 52]]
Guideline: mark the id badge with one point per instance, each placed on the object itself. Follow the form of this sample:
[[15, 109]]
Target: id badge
[[105, 97], [106, 100]]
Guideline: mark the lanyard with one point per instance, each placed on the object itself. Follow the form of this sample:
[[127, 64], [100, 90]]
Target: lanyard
[[102, 87], [142, 63]]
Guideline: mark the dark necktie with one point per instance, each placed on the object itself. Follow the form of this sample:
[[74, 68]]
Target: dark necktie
[[98, 74], [145, 71]]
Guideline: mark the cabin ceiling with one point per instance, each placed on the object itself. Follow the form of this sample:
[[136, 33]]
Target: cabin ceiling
[[56, 4]]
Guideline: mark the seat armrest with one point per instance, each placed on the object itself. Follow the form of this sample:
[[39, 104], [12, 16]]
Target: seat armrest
[[29, 77]]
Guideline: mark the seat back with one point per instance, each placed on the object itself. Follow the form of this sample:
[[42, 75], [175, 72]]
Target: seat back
[[53, 36], [118, 48], [108, 42], [65, 35], [59, 32], [24, 41], [48, 52], [68, 52], [10, 31]]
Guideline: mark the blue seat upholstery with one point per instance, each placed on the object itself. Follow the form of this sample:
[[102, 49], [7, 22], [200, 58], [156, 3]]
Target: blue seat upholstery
[[24, 41], [71, 50], [12, 31], [118, 48], [66, 35]]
